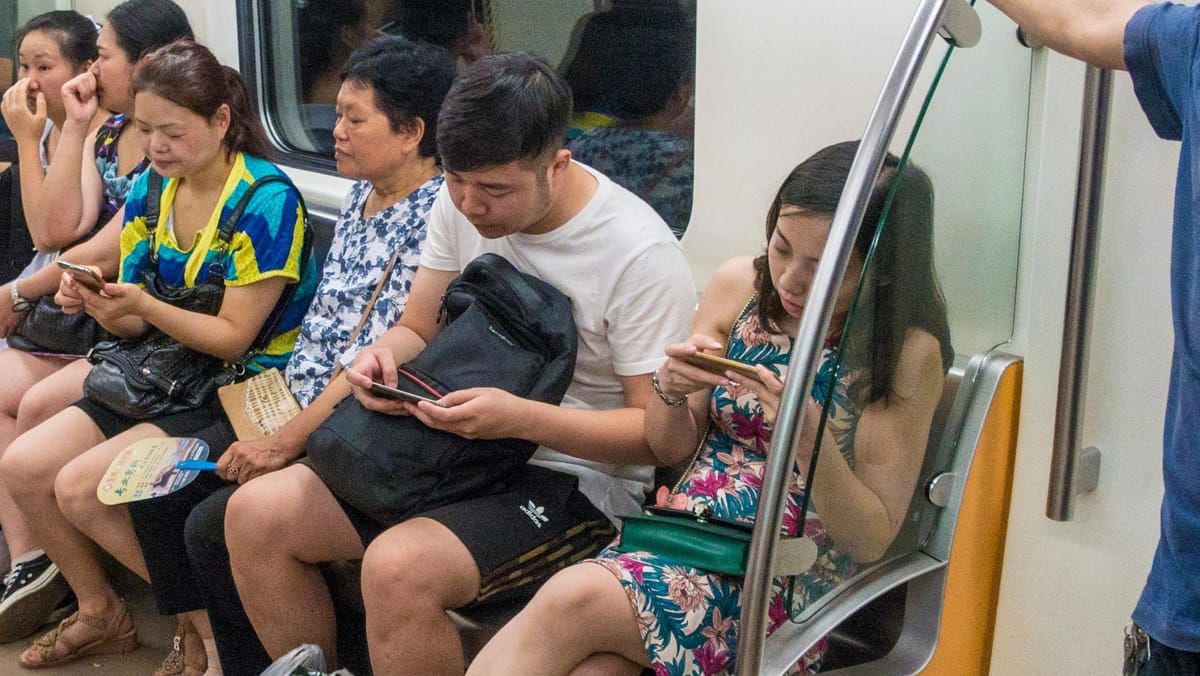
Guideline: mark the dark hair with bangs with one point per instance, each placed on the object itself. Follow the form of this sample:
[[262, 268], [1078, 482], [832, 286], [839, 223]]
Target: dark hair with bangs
[[188, 75], [409, 80], [503, 108], [899, 290]]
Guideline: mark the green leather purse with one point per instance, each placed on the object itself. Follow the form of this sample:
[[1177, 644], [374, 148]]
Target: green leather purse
[[695, 539]]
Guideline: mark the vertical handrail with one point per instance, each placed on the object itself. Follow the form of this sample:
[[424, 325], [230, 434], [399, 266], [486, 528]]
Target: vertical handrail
[[815, 323], [1072, 370]]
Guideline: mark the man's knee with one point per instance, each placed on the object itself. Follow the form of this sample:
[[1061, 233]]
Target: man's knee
[[423, 562]]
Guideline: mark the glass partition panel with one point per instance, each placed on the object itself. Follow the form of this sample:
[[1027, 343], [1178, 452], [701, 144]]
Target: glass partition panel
[[938, 257]]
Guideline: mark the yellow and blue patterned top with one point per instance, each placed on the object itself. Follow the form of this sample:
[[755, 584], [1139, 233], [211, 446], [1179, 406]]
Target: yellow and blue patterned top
[[267, 242]]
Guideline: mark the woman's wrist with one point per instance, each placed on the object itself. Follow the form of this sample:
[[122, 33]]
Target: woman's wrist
[[667, 399], [19, 304]]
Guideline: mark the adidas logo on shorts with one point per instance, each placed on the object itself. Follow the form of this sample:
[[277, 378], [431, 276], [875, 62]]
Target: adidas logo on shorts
[[535, 513]]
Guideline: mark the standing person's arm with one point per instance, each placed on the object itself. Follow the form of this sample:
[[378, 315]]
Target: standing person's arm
[[1090, 30]]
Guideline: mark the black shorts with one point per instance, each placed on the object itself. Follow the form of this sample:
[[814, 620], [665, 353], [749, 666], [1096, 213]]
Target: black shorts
[[537, 525], [183, 424]]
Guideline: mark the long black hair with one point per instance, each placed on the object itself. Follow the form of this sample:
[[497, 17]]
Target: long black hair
[[899, 290]]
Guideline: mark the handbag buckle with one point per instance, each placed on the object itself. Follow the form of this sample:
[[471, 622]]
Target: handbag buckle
[[702, 512]]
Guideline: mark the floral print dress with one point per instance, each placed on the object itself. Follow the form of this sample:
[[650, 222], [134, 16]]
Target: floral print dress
[[689, 618]]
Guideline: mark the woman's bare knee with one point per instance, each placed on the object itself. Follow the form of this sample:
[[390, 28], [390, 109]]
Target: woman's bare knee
[[576, 588], [26, 471], [258, 510], [52, 394], [75, 491]]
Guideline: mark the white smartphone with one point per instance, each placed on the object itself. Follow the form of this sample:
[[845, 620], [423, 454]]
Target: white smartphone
[[381, 390], [84, 275]]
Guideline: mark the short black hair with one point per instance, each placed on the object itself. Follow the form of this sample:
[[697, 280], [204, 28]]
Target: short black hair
[[409, 79], [503, 107]]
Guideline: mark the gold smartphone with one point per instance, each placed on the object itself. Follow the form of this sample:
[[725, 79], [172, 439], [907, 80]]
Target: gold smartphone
[[381, 390], [719, 365], [84, 275]]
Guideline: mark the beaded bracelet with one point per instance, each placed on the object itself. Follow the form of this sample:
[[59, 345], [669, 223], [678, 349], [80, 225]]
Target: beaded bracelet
[[663, 395]]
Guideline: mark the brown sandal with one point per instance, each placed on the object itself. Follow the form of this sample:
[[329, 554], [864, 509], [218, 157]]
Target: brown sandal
[[112, 636], [187, 656]]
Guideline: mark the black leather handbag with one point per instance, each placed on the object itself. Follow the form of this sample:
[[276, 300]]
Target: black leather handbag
[[48, 329], [500, 328], [155, 375]]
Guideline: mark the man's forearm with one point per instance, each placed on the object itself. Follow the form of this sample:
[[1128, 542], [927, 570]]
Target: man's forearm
[[1090, 30]]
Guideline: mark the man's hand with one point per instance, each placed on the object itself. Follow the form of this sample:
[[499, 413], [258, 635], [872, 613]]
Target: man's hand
[[477, 413], [375, 364]]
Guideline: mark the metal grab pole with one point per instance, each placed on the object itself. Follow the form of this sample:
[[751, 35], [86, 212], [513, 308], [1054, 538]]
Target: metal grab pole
[[815, 323], [1070, 472]]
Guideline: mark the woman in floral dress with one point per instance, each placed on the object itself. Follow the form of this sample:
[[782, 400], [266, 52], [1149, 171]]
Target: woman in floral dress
[[622, 612]]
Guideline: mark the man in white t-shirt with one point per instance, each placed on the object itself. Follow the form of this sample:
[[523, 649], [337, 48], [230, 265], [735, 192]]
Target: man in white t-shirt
[[511, 188]]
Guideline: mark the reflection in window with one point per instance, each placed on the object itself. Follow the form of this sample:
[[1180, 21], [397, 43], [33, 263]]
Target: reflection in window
[[631, 74], [630, 64]]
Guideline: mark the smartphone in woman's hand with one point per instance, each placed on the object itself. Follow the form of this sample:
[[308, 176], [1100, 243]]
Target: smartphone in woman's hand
[[719, 365], [84, 275]]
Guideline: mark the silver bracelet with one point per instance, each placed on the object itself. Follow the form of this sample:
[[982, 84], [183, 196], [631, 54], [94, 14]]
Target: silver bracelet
[[19, 304], [663, 395]]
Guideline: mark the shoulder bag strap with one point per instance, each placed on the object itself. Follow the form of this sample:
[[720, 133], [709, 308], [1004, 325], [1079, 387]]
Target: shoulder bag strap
[[362, 321]]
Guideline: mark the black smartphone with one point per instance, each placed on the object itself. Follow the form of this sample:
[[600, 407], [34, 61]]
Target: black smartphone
[[84, 275], [381, 390]]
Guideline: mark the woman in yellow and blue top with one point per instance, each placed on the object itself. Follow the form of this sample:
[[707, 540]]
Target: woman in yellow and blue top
[[204, 139]]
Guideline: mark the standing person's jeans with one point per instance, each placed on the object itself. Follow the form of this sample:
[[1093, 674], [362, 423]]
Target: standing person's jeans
[[1167, 661], [1146, 657]]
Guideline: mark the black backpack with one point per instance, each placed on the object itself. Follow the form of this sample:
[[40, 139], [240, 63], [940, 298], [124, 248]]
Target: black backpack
[[500, 328]]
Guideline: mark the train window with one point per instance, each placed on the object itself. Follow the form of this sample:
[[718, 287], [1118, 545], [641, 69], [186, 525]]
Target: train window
[[630, 64]]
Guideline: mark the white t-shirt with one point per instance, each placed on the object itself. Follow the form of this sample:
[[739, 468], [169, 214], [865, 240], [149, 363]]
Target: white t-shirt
[[631, 292]]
